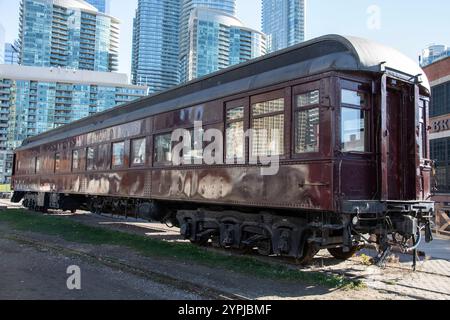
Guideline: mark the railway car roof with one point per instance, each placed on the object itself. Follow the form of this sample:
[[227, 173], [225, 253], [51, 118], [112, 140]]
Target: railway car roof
[[327, 53]]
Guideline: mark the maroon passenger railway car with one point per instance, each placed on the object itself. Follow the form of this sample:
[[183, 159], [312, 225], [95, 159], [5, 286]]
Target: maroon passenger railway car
[[354, 156]]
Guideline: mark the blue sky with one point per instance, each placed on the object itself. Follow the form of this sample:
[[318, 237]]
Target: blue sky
[[408, 25]]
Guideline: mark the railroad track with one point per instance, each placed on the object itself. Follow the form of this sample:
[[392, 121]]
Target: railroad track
[[181, 284], [217, 294]]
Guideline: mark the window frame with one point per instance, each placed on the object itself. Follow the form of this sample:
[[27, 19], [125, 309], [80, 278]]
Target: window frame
[[132, 164], [37, 164], [122, 165], [94, 166], [230, 105], [57, 159], [286, 94], [79, 161], [359, 87], [155, 161], [299, 90]]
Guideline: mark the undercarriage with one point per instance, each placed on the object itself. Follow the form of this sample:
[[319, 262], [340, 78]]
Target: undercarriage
[[299, 235]]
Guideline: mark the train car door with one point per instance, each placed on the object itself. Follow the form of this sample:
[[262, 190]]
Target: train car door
[[394, 127]]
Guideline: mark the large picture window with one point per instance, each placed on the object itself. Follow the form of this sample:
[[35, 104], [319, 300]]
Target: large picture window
[[354, 121], [90, 159], [57, 162], [37, 165], [268, 128], [138, 152], [76, 160], [307, 122], [235, 140], [195, 154], [118, 154], [163, 148]]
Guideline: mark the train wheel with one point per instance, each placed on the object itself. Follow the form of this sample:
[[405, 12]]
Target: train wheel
[[339, 253], [309, 251], [265, 247]]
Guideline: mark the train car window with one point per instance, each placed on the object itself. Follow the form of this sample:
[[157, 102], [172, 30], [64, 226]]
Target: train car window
[[138, 149], [90, 159], [268, 128], [196, 150], [57, 162], [308, 99], [75, 160], [118, 154], [163, 149], [38, 164], [354, 98], [354, 118], [307, 122], [235, 140], [307, 130], [235, 114]]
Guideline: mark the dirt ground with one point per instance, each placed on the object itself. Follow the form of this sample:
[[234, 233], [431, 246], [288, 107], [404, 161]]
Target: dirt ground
[[33, 266]]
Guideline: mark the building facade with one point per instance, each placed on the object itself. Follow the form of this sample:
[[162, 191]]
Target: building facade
[[36, 99], [2, 44], [433, 53], [12, 53], [439, 76], [101, 5], [283, 21], [67, 34], [219, 40], [155, 44], [186, 9]]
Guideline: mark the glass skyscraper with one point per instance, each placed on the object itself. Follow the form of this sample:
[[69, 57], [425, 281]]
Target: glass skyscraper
[[218, 40], [12, 52], [68, 34], [187, 7], [283, 21], [2, 44], [36, 99], [155, 44], [101, 5]]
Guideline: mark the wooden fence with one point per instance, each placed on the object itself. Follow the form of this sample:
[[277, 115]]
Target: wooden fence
[[443, 221]]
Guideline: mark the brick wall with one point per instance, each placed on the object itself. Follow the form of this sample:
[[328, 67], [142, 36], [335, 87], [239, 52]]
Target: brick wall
[[437, 70]]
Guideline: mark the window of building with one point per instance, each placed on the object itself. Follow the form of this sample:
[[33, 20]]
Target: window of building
[[235, 140], [268, 128], [354, 122], [76, 160], [90, 159], [440, 100], [118, 154], [57, 162], [440, 152], [138, 147], [163, 148], [307, 122]]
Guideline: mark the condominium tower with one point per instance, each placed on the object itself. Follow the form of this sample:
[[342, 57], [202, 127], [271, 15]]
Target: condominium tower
[[12, 52], [283, 21], [2, 44], [101, 5], [155, 44], [36, 99], [219, 40], [186, 9], [67, 34]]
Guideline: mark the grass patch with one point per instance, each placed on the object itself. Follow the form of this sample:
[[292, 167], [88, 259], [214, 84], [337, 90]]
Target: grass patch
[[77, 232]]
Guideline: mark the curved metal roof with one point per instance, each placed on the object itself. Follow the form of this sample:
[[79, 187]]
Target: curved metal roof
[[327, 53]]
